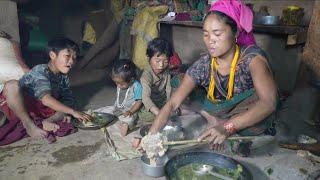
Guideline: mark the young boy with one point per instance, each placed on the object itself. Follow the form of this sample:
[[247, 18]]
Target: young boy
[[39, 104], [155, 79]]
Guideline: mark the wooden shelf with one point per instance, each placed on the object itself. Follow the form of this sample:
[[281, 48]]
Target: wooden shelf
[[278, 29], [295, 34], [183, 23]]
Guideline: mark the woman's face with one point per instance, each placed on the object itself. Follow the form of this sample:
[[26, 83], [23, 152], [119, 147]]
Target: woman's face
[[159, 63], [217, 36]]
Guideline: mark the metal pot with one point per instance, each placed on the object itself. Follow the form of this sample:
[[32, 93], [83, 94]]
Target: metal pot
[[154, 171], [267, 20], [208, 158]]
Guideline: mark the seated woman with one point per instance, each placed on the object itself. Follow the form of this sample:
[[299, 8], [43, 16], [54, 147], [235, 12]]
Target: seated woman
[[241, 92]]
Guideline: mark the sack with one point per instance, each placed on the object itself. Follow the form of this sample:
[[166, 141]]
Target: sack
[[9, 66]]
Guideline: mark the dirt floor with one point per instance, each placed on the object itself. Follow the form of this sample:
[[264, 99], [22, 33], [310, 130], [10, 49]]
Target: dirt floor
[[83, 155]]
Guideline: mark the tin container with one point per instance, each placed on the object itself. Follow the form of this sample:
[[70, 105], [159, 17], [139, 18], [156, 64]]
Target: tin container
[[151, 170]]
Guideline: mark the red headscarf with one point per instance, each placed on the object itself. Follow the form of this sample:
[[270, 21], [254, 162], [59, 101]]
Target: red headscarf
[[241, 14]]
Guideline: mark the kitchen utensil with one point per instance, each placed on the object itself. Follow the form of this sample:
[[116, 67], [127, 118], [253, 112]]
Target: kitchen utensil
[[207, 158], [207, 169], [194, 141], [266, 20], [154, 170], [100, 120]]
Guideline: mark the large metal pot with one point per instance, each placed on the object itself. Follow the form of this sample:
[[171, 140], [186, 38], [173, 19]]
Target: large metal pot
[[208, 158]]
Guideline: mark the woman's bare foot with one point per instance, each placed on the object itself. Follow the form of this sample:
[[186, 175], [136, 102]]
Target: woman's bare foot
[[50, 126], [33, 131], [124, 128]]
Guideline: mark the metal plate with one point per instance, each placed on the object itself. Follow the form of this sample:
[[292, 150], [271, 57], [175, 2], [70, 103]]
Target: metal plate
[[101, 120], [208, 158]]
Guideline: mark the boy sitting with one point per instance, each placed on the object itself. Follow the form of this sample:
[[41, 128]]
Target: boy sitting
[[39, 104]]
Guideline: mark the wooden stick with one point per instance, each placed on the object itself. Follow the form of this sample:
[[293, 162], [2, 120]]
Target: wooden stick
[[194, 141], [309, 147]]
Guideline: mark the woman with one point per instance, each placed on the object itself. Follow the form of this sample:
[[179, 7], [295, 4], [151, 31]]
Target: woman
[[241, 92]]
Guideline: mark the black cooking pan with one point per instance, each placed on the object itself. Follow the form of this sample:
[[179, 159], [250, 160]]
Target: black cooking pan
[[208, 158]]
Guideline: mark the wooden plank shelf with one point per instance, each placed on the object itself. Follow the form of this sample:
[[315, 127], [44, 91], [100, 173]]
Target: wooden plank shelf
[[296, 34], [272, 29]]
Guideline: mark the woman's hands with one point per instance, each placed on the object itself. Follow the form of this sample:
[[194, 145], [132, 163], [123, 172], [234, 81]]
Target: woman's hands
[[214, 134], [217, 134]]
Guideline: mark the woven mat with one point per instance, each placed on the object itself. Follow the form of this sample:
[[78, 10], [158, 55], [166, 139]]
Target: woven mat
[[119, 147]]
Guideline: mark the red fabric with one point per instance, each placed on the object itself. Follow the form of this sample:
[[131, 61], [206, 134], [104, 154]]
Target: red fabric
[[183, 16], [176, 61], [13, 130]]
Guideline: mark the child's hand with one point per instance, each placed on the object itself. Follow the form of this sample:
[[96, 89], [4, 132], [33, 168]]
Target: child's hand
[[127, 114], [81, 116]]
